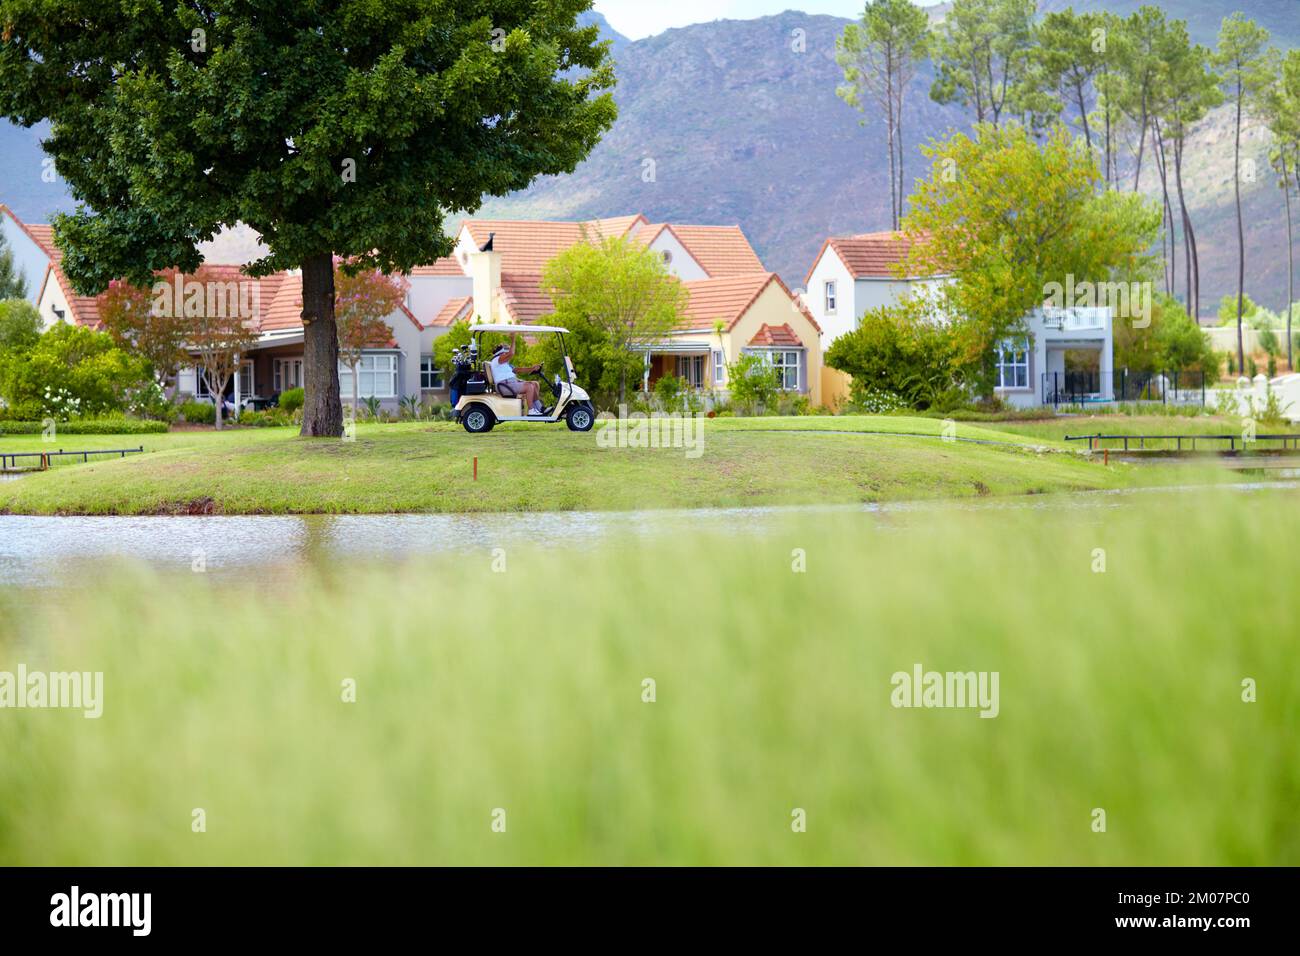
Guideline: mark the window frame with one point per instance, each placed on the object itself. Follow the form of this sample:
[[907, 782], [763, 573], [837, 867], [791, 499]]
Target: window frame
[[1004, 367], [368, 366], [830, 296], [430, 370]]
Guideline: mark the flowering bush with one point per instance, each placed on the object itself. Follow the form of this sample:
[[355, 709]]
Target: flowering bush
[[69, 371]]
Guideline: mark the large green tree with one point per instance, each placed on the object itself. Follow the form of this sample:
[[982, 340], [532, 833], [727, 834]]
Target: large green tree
[[1242, 59], [1007, 218], [1069, 57], [334, 128], [879, 57]]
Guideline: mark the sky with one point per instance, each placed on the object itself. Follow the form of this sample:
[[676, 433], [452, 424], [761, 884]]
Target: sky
[[642, 18]]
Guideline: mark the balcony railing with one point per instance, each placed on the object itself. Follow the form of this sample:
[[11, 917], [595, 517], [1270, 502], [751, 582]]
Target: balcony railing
[[1168, 388], [1076, 319]]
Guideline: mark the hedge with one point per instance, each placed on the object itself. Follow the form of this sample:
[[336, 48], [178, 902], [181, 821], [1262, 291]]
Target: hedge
[[88, 426]]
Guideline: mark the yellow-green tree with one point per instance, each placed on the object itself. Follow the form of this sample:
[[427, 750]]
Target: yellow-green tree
[[1006, 217], [617, 296]]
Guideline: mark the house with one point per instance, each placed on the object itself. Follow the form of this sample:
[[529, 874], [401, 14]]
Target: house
[[1067, 353], [401, 366], [735, 305]]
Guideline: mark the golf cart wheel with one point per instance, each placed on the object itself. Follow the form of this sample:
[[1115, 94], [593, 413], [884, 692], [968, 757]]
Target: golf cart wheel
[[580, 418], [478, 419]]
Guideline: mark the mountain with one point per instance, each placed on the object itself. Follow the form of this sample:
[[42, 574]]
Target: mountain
[[737, 122], [743, 129], [1280, 17]]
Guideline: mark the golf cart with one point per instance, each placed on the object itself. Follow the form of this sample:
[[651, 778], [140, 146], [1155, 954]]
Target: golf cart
[[479, 403]]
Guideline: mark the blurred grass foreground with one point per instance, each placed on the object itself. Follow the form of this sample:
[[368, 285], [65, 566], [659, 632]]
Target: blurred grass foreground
[[688, 700]]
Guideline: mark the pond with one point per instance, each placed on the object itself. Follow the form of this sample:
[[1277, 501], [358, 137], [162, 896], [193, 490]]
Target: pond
[[48, 551]]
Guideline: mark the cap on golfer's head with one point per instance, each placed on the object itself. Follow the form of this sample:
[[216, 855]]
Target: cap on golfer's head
[[501, 349]]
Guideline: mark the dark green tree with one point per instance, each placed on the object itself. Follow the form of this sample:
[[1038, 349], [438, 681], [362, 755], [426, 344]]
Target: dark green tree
[[345, 128], [12, 284], [983, 54]]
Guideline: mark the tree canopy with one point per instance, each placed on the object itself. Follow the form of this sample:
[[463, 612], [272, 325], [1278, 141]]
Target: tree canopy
[[335, 128], [1007, 217]]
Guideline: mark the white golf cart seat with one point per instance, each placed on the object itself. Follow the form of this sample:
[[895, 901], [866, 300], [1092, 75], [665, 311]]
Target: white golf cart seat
[[495, 389]]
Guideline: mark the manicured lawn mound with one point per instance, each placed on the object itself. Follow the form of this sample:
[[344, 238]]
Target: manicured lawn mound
[[890, 424], [1119, 690], [425, 468]]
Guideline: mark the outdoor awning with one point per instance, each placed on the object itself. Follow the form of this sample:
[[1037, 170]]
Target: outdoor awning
[[675, 348]]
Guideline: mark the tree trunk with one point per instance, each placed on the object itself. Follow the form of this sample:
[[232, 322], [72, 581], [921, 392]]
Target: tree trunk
[[890, 131], [1142, 142], [1189, 233], [1171, 263], [356, 387], [219, 406], [1083, 114], [1241, 236], [322, 411], [1290, 260]]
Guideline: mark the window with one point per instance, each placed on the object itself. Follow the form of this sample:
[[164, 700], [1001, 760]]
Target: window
[[1013, 365], [376, 377], [246, 381], [668, 257], [691, 368], [430, 374], [719, 367], [286, 374], [787, 366], [830, 297]]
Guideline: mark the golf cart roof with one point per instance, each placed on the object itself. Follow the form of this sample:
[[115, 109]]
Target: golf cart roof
[[508, 329]]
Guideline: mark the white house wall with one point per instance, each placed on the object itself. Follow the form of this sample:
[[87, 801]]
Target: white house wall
[[30, 260], [428, 294], [53, 304], [681, 264], [830, 269]]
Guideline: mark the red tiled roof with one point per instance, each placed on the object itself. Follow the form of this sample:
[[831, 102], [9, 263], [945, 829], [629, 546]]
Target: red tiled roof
[[618, 225], [446, 266], [768, 335], [522, 297], [454, 310], [722, 300], [869, 255], [720, 250]]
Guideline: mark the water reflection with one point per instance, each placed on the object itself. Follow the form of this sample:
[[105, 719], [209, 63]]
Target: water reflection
[[45, 551]]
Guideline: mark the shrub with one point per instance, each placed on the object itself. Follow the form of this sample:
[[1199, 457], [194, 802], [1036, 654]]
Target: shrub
[[898, 350], [199, 413], [869, 400], [267, 418], [753, 384], [72, 371], [151, 402], [293, 399], [109, 425], [20, 325], [669, 391]]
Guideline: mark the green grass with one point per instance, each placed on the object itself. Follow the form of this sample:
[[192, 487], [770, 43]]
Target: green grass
[[427, 468], [1056, 429], [1118, 690]]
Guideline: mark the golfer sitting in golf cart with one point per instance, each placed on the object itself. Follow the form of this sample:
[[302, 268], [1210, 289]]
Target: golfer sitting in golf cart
[[493, 392], [508, 384]]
